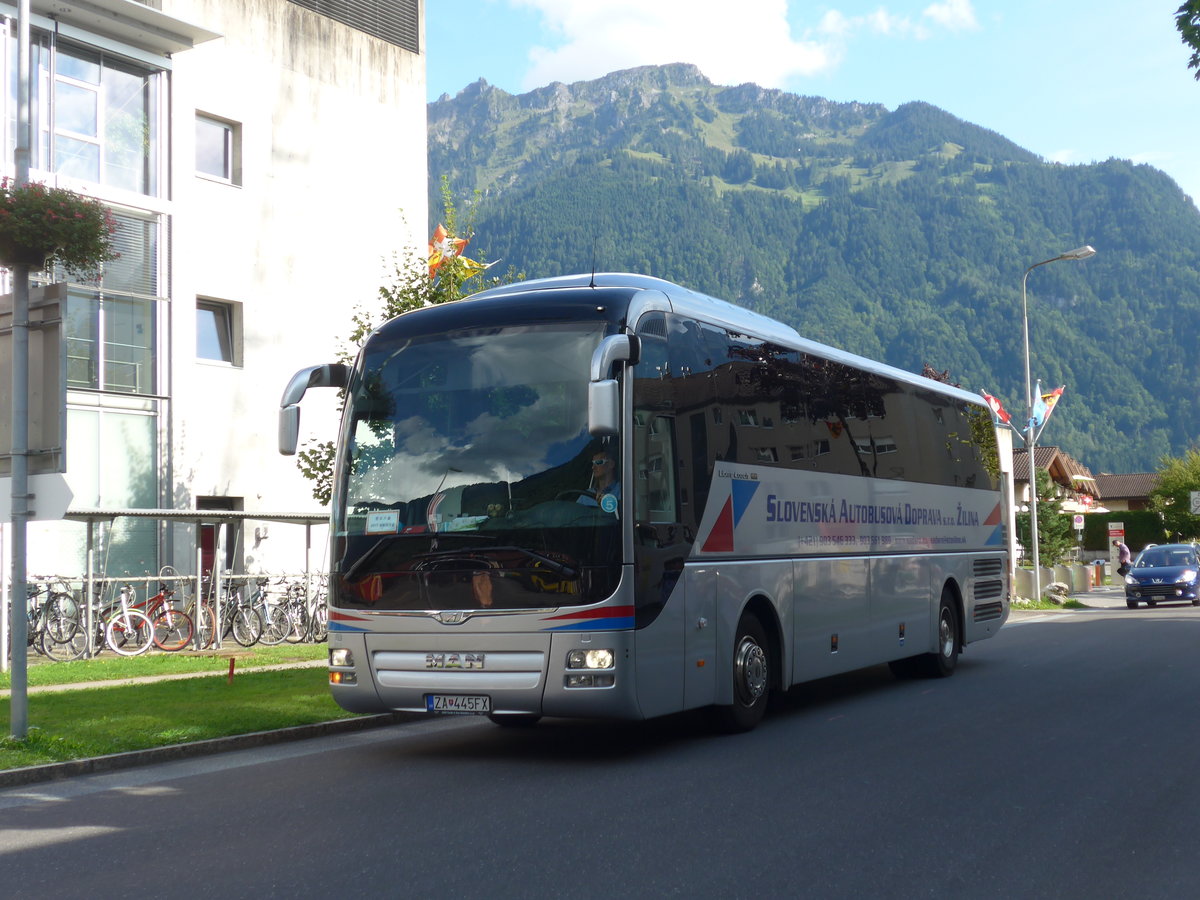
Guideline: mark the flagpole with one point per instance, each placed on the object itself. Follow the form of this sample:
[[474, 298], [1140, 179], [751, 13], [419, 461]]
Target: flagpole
[[1030, 443], [1030, 434]]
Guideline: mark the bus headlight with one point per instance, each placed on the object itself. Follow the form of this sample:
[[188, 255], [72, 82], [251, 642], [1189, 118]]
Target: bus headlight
[[590, 669], [590, 659], [341, 658]]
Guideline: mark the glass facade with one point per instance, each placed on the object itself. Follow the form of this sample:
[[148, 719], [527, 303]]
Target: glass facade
[[96, 127]]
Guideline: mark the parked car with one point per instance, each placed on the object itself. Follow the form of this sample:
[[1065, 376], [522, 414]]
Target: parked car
[[1164, 572]]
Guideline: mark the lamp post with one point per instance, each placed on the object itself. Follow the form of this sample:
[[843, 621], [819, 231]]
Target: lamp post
[[1030, 431]]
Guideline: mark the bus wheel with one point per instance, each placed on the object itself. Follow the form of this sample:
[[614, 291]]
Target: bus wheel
[[949, 641], [751, 672], [520, 720]]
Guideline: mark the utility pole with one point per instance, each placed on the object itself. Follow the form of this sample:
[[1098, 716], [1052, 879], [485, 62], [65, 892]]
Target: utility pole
[[19, 632]]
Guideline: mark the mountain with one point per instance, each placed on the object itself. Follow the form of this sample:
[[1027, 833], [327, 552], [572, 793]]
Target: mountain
[[902, 235]]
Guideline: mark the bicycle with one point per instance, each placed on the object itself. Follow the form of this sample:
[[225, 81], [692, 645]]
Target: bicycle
[[277, 624], [310, 619], [173, 628], [53, 622], [127, 631], [240, 617]]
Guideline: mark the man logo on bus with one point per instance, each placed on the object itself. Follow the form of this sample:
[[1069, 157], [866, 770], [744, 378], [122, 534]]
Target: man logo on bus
[[720, 539]]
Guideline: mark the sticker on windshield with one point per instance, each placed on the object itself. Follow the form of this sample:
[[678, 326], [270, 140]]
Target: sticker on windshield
[[383, 522], [608, 503]]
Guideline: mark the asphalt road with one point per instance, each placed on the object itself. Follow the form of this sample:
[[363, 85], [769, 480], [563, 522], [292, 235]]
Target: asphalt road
[[1057, 762]]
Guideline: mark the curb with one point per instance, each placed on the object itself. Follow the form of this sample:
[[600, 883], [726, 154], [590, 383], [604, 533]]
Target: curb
[[133, 758]]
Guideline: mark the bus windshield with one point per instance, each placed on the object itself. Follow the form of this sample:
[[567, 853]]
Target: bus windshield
[[468, 477]]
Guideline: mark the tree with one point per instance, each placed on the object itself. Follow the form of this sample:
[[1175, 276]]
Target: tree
[[1054, 526], [1171, 496], [415, 282], [1187, 20]]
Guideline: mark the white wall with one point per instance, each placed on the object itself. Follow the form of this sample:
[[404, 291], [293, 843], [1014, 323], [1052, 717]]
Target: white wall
[[333, 183]]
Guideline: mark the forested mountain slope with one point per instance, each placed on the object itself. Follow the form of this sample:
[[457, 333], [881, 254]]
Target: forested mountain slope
[[901, 235]]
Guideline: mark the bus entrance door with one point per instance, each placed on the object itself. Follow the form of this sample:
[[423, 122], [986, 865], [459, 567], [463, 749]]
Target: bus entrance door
[[700, 636]]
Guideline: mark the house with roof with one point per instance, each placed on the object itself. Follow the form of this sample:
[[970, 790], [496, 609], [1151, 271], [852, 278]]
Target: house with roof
[[1074, 485], [1126, 492]]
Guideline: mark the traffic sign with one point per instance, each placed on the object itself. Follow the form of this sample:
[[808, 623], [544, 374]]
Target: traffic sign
[[1196, 503], [1077, 521], [51, 497]]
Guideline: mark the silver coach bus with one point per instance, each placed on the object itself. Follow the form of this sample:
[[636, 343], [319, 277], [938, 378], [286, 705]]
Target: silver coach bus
[[610, 496]]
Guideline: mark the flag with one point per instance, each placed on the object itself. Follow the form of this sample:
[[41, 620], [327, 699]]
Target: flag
[[996, 407], [1051, 400], [443, 248], [1037, 415]]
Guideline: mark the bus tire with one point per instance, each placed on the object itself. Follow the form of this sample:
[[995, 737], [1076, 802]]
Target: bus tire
[[751, 673], [942, 662]]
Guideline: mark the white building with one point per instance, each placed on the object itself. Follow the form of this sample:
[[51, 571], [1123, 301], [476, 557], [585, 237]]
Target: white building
[[265, 159]]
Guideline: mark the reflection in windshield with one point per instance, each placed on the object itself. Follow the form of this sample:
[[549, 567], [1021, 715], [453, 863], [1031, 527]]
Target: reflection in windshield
[[1159, 557], [465, 458]]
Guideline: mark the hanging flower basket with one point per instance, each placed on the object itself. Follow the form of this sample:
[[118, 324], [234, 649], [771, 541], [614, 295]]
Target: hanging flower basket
[[42, 226]]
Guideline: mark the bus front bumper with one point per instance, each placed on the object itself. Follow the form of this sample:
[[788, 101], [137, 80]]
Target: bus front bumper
[[551, 674]]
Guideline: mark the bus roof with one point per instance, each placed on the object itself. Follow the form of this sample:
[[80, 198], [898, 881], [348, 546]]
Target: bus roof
[[720, 312]]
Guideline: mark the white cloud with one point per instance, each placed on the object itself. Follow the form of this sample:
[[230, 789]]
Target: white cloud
[[955, 15], [730, 43]]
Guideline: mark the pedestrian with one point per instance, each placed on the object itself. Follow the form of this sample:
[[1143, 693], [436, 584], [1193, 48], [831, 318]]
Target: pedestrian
[[1123, 557]]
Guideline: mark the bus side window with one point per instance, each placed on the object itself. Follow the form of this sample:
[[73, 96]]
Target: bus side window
[[654, 470]]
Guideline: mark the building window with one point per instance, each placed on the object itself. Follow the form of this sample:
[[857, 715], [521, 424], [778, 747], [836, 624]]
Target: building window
[[95, 117], [217, 331], [218, 149], [113, 458], [110, 342], [111, 329]]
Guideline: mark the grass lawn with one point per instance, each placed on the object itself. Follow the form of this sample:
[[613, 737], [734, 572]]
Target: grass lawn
[[108, 666], [77, 724]]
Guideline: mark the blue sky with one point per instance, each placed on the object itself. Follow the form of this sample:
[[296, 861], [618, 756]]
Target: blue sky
[[1072, 81]]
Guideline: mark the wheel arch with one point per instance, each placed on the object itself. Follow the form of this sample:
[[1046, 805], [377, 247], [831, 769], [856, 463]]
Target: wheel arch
[[764, 610]]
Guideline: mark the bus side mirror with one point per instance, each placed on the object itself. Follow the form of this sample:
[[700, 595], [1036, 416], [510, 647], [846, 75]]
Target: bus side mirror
[[604, 407], [329, 375]]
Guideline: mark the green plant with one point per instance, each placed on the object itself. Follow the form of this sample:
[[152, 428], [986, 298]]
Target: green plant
[[56, 225], [1178, 476], [1055, 537]]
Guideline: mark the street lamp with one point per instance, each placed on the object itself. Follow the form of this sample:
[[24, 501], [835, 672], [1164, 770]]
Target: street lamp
[[1030, 434]]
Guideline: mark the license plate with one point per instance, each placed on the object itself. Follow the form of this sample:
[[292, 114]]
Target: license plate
[[472, 705]]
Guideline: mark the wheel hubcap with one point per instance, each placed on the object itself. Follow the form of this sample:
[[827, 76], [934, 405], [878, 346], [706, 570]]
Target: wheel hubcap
[[750, 671], [946, 633]]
